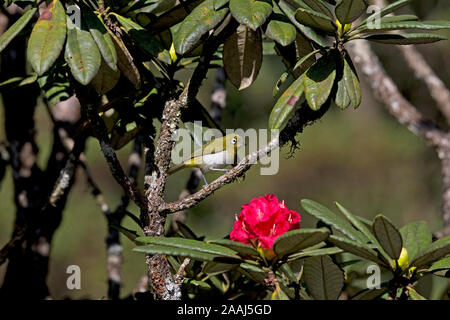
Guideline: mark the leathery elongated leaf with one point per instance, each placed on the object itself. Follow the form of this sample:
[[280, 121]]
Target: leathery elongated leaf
[[369, 236], [416, 238], [252, 13], [324, 279], [405, 39], [296, 240], [436, 251], [81, 53], [285, 106], [319, 6], [101, 37], [142, 37], [356, 248], [405, 25], [14, 30], [315, 253], [178, 252], [319, 80], [242, 56], [201, 20], [47, 38], [219, 3], [105, 79], [280, 29], [349, 90], [370, 294], [190, 244], [389, 19], [348, 11], [326, 215], [310, 33], [125, 62], [316, 20], [241, 248], [388, 236], [169, 18], [385, 11], [443, 264]]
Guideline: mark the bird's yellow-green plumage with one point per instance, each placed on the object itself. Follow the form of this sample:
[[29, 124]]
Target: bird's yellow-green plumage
[[215, 154]]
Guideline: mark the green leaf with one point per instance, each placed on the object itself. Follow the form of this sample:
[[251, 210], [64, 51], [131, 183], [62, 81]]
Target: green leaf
[[389, 19], [15, 29], [105, 79], [213, 268], [443, 264], [121, 136], [253, 272], [436, 251], [101, 37], [125, 62], [308, 32], [47, 38], [404, 39], [81, 53], [296, 240], [416, 238], [242, 56], [285, 106], [186, 232], [315, 253], [219, 3], [356, 248], [177, 252], [197, 283], [319, 80], [348, 11], [190, 244], [324, 279], [324, 214], [319, 6], [171, 17], [252, 13], [130, 234], [402, 25], [361, 226], [201, 20], [349, 90], [414, 295], [280, 29], [388, 236], [240, 248], [316, 20], [142, 37], [385, 11], [370, 294]]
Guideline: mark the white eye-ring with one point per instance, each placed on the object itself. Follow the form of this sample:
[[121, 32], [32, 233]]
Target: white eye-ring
[[233, 141]]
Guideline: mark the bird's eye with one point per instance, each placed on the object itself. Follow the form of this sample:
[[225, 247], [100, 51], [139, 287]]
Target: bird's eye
[[233, 141]]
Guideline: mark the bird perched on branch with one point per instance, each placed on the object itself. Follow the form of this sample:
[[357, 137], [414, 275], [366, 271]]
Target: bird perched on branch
[[213, 156]]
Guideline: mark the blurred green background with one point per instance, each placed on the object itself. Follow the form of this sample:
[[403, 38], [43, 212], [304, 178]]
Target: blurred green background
[[363, 158]]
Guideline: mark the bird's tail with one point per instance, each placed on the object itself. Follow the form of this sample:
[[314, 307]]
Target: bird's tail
[[175, 168]]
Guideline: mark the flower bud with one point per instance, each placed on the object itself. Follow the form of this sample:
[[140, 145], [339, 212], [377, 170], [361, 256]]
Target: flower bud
[[403, 260]]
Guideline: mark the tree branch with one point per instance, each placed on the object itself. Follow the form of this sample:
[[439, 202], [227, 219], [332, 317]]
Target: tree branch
[[387, 92], [101, 134], [423, 71]]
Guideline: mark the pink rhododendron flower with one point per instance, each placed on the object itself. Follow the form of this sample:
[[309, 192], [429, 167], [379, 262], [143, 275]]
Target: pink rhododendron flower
[[263, 220]]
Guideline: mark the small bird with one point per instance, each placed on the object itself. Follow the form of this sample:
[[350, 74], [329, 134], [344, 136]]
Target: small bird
[[213, 156]]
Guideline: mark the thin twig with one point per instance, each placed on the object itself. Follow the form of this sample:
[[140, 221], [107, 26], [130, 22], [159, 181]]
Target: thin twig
[[179, 276]]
